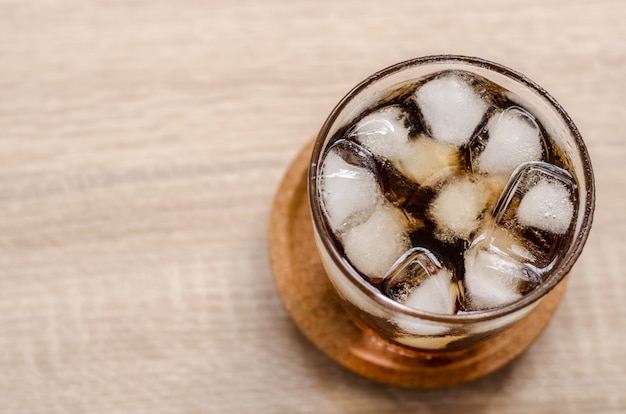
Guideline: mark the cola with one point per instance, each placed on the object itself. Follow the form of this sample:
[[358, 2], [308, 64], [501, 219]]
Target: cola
[[441, 155], [448, 195]]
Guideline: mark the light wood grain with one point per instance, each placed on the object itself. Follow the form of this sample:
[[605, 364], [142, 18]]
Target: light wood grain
[[141, 144]]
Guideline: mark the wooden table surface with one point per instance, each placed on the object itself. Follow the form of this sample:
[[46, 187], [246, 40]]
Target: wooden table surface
[[141, 146]]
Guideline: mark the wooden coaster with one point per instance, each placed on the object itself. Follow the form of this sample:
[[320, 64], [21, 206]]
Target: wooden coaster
[[314, 307]]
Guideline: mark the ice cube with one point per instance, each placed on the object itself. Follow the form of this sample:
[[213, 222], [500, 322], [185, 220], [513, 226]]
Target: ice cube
[[491, 279], [383, 132], [419, 281], [502, 240], [433, 294], [451, 108], [537, 209], [349, 192], [373, 246], [547, 206], [426, 161], [459, 208], [513, 139]]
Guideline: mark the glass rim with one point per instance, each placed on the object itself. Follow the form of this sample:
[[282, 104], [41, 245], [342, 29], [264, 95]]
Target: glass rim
[[555, 277]]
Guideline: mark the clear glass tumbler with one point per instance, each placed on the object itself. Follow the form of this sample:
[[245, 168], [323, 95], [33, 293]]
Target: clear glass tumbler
[[406, 327]]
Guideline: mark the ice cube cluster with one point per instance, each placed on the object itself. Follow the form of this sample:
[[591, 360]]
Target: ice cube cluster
[[448, 197]]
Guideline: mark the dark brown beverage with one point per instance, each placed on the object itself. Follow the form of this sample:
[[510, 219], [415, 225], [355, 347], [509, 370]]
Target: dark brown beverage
[[468, 165], [449, 194]]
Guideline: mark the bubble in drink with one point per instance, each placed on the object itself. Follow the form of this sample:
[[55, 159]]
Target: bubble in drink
[[463, 200]]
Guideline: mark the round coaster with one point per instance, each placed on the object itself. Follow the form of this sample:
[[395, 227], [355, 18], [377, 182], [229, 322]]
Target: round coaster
[[314, 307]]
